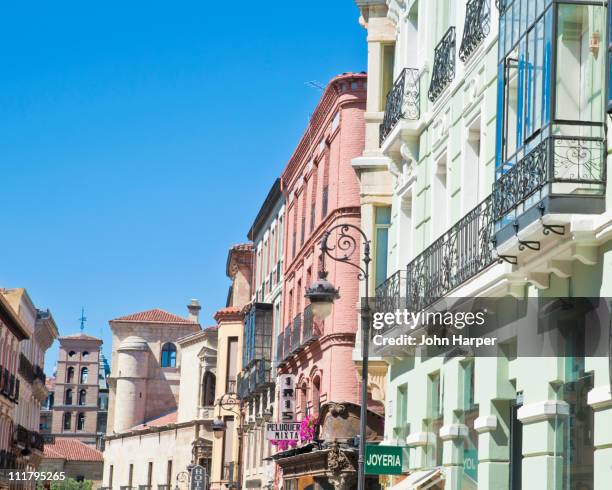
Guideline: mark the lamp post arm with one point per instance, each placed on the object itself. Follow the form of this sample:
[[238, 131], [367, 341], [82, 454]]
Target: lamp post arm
[[346, 246]]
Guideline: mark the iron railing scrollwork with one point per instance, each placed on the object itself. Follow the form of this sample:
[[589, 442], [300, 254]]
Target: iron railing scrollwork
[[444, 64], [296, 337], [477, 26], [558, 165], [458, 255], [403, 101], [501, 5], [310, 331], [389, 294]]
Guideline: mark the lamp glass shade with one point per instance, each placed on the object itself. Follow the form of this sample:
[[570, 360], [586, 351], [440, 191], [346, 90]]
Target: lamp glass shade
[[322, 309]]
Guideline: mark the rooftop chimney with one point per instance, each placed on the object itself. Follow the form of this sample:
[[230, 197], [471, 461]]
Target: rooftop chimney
[[194, 310]]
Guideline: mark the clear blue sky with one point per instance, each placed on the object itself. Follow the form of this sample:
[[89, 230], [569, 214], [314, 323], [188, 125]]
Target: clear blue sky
[[138, 139]]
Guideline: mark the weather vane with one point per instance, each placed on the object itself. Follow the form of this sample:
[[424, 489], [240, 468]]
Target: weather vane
[[83, 319]]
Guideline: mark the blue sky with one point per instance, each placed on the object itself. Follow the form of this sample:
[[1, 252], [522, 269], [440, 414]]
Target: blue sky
[[138, 139]]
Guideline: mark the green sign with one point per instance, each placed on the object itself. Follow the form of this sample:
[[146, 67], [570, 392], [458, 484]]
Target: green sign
[[383, 460]]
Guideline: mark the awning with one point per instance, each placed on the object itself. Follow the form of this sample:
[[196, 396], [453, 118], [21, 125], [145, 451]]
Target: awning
[[421, 480]]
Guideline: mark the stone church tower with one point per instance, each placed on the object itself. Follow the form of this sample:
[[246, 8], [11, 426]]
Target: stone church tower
[[75, 412], [144, 381]]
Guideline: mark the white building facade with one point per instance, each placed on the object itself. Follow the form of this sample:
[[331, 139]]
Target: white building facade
[[494, 135]]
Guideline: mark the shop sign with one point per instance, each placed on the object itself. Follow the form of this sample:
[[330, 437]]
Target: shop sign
[[279, 431], [383, 460]]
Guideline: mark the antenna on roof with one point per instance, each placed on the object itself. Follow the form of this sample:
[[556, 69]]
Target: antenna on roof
[[83, 319], [315, 84]]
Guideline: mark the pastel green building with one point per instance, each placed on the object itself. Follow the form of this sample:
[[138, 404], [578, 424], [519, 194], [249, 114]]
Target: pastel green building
[[491, 165]]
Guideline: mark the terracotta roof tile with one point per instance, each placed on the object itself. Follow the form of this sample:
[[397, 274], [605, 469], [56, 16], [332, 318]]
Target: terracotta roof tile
[[228, 314], [169, 418], [71, 450], [79, 336], [154, 316]]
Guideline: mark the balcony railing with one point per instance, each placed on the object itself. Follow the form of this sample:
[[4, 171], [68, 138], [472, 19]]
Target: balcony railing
[[403, 101], [477, 26], [287, 341], [458, 255], [254, 379], [310, 331], [22, 436], [391, 294], [296, 336], [444, 65], [462, 252], [559, 165], [26, 370]]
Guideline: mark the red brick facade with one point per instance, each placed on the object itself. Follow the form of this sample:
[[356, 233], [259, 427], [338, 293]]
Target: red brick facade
[[321, 189]]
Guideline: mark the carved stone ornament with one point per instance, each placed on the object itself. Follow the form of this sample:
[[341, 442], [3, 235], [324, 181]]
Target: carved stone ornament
[[337, 409], [337, 460]]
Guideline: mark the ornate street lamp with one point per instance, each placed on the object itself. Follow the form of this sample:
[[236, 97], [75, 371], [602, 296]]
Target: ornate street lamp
[[230, 402], [322, 295]]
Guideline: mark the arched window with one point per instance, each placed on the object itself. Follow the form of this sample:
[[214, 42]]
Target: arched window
[[82, 397], [208, 389], [70, 375], [68, 397], [81, 421], [316, 395], [168, 358], [85, 355], [67, 420], [84, 374], [71, 353]]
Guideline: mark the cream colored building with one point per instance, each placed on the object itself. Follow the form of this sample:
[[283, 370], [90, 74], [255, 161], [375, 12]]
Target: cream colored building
[[227, 467], [31, 389], [161, 400]]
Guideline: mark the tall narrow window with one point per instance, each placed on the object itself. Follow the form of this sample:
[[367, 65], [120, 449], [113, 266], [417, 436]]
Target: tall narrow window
[[82, 397], [131, 476], [168, 358], [436, 417], [70, 375], [67, 420], [232, 364], [111, 473], [68, 397], [84, 375], [81, 421], [382, 223], [387, 66], [316, 395]]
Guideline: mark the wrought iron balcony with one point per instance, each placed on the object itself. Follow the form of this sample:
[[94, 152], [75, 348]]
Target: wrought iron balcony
[[22, 436], [501, 5], [403, 101], [254, 379], [296, 336], [444, 65], [477, 26], [26, 370], [391, 294], [287, 341], [311, 330], [462, 252], [558, 167]]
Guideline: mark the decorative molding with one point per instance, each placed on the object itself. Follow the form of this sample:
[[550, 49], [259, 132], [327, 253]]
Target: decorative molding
[[417, 439], [453, 431], [540, 411], [600, 397], [485, 423]]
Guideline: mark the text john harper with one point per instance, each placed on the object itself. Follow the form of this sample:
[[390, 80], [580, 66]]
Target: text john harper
[[433, 340]]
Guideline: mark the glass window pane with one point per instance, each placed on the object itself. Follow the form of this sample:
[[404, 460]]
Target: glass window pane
[[579, 66], [547, 62], [382, 245], [383, 215], [538, 74]]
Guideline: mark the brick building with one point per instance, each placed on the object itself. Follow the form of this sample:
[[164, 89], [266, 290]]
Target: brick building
[[75, 407], [322, 190]]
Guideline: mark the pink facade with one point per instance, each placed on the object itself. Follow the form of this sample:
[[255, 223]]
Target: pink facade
[[321, 189]]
